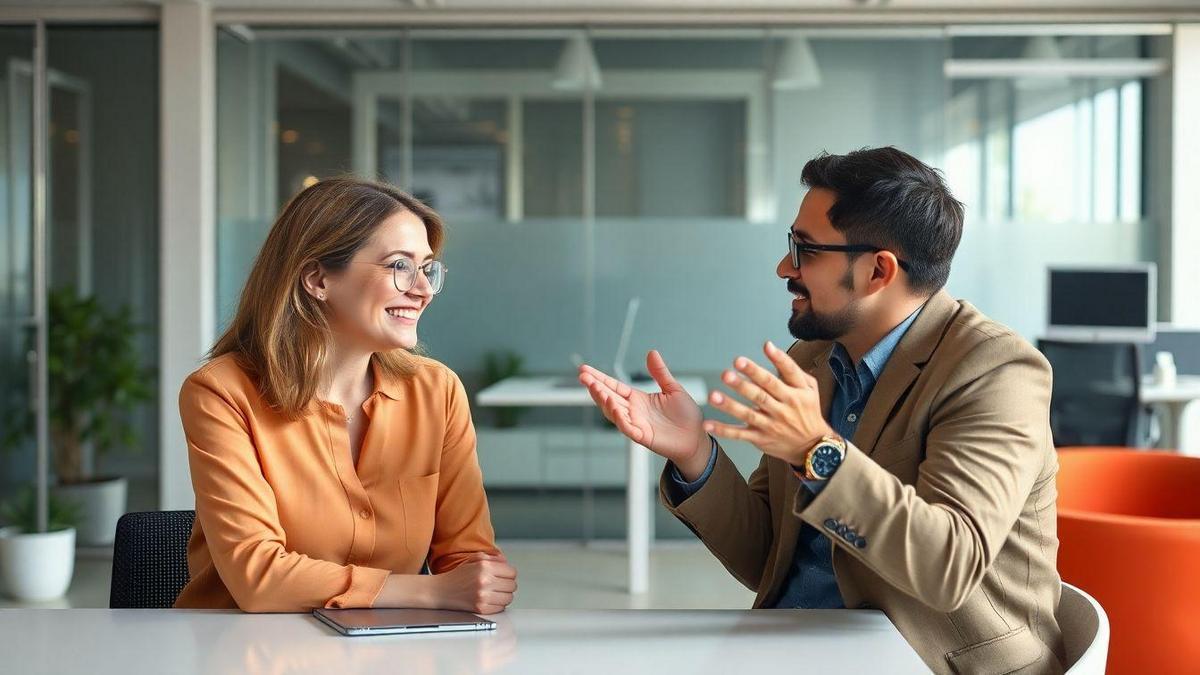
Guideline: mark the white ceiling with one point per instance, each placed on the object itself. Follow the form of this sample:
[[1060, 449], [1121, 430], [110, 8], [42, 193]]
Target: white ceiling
[[1125, 6], [711, 13]]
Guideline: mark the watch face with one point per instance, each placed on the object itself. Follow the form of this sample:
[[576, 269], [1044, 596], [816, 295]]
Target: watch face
[[825, 460]]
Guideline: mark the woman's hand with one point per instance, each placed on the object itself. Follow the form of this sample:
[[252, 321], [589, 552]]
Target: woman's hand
[[484, 584]]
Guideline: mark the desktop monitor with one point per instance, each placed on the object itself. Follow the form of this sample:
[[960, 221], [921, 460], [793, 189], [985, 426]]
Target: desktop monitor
[[1109, 303]]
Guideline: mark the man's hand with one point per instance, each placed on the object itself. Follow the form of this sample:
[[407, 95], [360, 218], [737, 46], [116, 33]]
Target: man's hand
[[669, 423], [784, 420]]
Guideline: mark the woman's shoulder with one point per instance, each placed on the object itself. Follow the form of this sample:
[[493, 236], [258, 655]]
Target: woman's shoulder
[[224, 373], [223, 367], [429, 371]]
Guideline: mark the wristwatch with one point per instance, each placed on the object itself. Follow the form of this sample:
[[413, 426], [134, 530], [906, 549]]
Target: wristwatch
[[823, 459]]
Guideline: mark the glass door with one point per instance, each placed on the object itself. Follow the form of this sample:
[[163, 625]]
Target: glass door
[[22, 461]]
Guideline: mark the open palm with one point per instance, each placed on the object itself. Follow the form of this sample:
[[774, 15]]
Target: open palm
[[668, 423]]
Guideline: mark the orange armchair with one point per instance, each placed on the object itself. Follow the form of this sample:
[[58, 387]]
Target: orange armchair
[[1129, 535]]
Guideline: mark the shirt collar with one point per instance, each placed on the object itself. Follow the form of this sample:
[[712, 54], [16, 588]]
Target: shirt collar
[[384, 384], [876, 357]]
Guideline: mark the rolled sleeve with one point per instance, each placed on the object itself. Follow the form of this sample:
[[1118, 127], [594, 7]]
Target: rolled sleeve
[[365, 585]]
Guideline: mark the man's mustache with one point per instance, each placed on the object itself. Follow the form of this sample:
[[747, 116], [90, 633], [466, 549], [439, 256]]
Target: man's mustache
[[794, 287]]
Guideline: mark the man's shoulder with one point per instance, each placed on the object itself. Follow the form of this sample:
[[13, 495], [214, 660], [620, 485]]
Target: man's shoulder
[[974, 340]]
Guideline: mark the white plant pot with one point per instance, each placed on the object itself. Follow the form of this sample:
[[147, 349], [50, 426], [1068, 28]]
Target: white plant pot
[[5, 532], [101, 504], [36, 567]]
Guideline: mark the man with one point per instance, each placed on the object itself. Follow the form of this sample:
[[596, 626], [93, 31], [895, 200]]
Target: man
[[907, 459]]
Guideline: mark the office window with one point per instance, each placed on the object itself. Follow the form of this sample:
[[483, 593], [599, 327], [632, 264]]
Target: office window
[[1050, 149]]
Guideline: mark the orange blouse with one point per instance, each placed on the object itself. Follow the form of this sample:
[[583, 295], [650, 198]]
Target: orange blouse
[[285, 522]]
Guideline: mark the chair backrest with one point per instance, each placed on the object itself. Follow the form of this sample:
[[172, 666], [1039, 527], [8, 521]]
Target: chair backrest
[[150, 559], [1085, 632], [1097, 386]]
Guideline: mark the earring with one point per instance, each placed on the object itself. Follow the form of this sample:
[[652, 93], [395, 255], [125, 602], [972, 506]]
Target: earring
[[321, 296]]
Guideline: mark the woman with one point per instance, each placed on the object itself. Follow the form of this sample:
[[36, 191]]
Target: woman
[[330, 463]]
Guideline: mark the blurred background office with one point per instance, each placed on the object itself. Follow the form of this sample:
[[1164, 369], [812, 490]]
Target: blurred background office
[[583, 156]]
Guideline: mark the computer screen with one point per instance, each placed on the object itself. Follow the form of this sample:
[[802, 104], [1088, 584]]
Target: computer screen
[[1102, 303]]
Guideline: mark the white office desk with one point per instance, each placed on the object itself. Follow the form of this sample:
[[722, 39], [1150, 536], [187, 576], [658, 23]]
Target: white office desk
[[1175, 400], [547, 391], [527, 642]]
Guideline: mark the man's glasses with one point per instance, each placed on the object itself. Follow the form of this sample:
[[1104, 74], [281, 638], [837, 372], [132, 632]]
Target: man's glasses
[[799, 249], [404, 273]]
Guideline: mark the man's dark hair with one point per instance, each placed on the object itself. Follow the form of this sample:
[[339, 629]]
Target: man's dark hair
[[890, 199]]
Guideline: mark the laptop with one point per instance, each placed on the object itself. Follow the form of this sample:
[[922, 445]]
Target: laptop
[[400, 621], [618, 371]]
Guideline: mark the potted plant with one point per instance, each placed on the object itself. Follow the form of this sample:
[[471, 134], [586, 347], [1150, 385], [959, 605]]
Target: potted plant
[[36, 566], [96, 380], [499, 365]]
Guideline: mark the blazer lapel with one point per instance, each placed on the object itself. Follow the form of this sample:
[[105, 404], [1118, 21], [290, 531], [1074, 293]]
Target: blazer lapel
[[893, 383], [903, 367]]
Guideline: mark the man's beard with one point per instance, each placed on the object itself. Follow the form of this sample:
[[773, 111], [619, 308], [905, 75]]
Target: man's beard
[[809, 325]]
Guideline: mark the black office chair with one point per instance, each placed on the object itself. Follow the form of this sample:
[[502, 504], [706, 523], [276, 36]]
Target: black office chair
[[1097, 391], [150, 559]]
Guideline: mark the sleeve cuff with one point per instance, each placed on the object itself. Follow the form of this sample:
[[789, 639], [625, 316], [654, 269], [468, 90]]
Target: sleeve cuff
[[815, 486], [365, 585], [689, 489]]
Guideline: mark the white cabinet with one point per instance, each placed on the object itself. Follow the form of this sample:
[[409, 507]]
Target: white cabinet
[[552, 456]]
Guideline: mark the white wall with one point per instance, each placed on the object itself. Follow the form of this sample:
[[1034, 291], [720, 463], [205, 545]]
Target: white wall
[[187, 245], [1185, 177]]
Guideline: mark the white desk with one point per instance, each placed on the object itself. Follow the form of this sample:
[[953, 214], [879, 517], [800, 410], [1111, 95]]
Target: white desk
[[547, 391], [124, 641], [1174, 400]]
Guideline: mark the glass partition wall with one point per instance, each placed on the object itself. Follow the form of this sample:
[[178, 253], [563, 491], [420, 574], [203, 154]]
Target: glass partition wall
[[23, 436], [581, 168], [78, 250]]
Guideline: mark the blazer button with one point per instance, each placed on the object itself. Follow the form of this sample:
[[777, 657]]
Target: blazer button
[[364, 514], [831, 524], [861, 542]]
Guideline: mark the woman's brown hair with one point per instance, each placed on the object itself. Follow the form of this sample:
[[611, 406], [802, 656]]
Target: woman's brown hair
[[279, 333]]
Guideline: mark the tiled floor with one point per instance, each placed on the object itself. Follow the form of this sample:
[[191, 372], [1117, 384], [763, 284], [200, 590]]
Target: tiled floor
[[551, 575]]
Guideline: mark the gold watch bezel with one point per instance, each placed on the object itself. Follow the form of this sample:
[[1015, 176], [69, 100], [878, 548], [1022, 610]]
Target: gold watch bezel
[[836, 441]]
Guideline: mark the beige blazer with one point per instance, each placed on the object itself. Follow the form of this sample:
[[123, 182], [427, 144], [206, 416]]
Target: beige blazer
[[942, 514]]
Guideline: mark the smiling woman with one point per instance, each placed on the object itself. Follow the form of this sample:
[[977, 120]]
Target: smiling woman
[[329, 461]]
